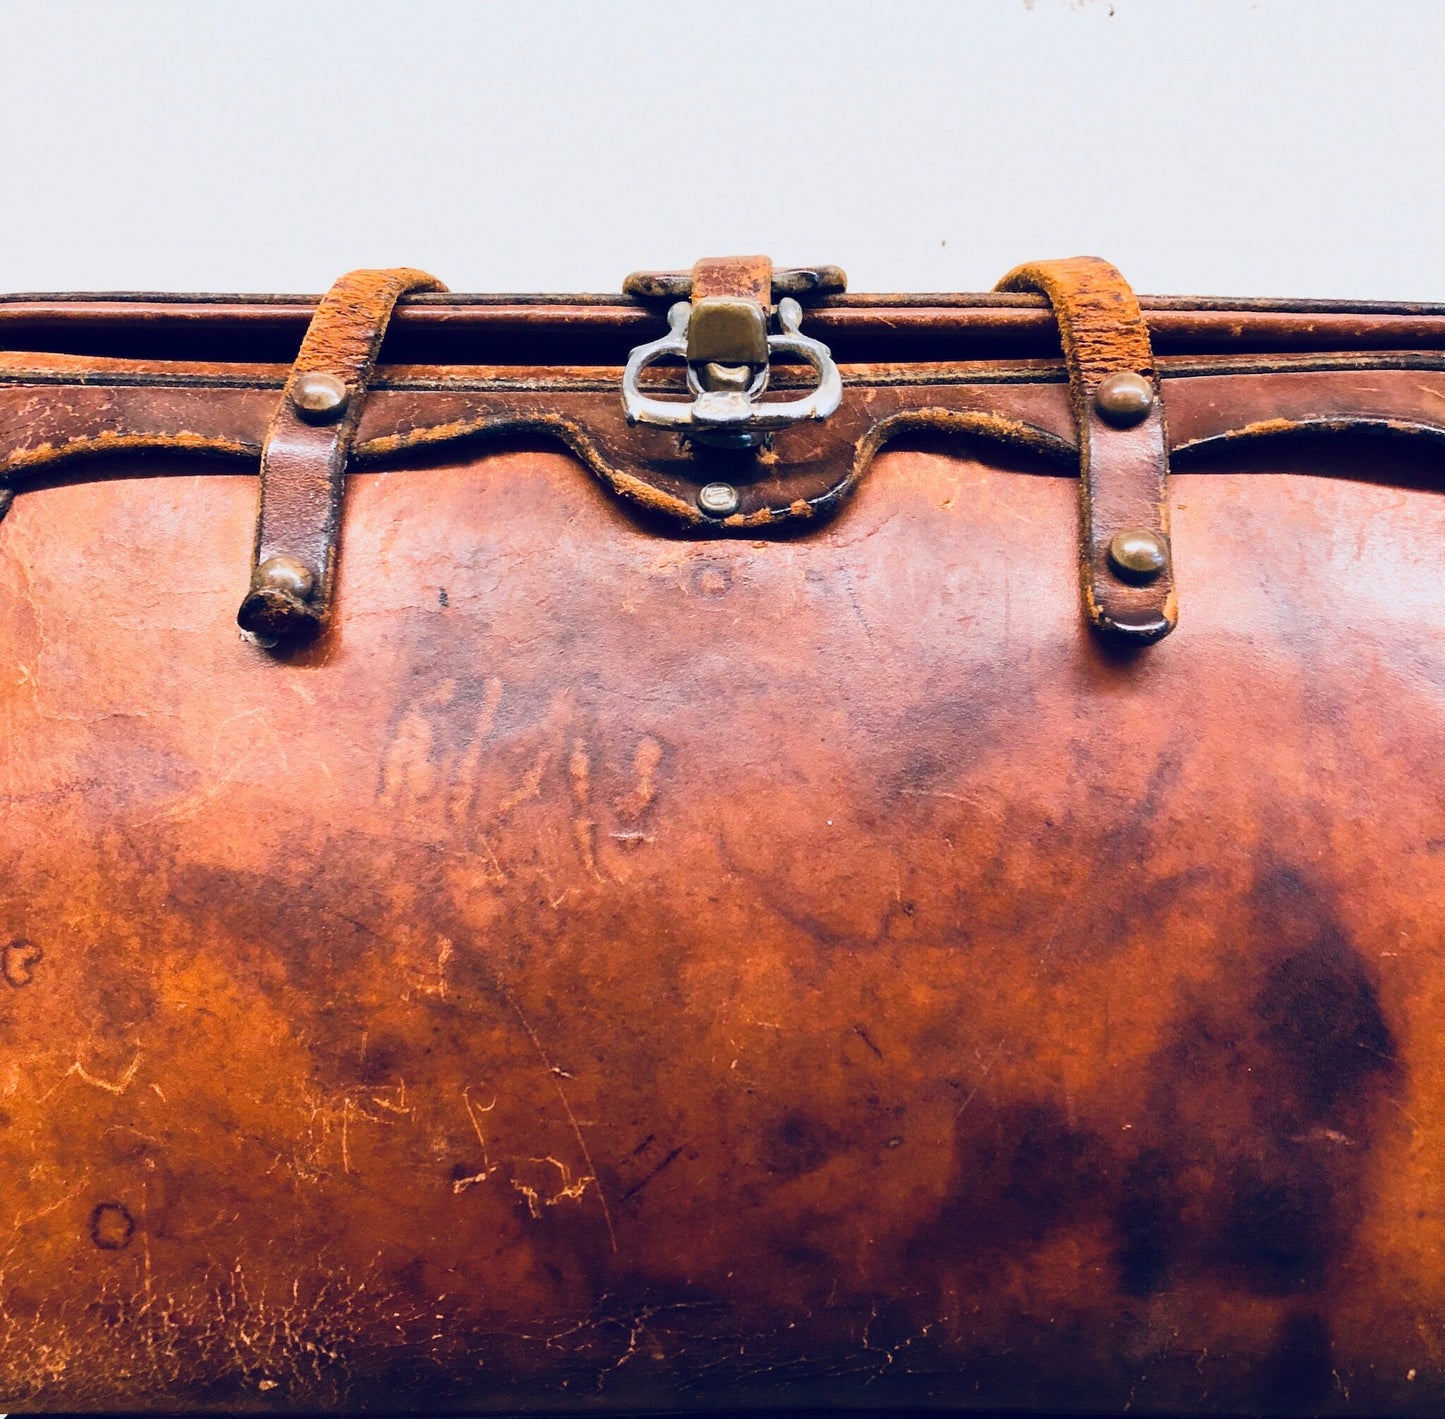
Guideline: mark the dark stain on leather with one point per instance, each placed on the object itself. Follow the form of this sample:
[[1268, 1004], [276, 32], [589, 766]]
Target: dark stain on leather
[[1276, 1235], [1022, 1172], [285, 928], [1146, 1217], [385, 1058], [920, 743], [1264, 1111], [1297, 1375], [111, 1226], [18, 962], [1318, 1009], [1248, 1168], [796, 1144]]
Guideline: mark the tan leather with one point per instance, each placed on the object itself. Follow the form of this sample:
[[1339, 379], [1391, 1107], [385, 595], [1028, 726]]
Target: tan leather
[[303, 463], [1123, 472], [625, 968], [748, 276]]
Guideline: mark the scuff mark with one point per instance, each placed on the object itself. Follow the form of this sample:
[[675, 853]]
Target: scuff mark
[[645, 762], [530, 786], [117, 1087], [584, 828], [460, 1185]]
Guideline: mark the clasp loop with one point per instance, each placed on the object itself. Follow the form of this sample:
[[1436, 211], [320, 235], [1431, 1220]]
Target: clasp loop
[[728, 353]]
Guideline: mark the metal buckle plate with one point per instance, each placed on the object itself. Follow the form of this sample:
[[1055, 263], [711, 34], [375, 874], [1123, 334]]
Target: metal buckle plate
[[727, 409]]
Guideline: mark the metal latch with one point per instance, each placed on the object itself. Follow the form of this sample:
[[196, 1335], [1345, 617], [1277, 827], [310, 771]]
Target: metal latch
[[726, 345]]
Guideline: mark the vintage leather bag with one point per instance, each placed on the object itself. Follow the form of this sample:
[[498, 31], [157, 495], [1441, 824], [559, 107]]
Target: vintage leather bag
[[752, 847]]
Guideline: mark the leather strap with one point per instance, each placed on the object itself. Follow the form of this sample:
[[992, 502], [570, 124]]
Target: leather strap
[[303, 460], [1125, 562]]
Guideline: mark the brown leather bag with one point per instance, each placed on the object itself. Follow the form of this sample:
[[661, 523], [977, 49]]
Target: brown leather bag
[[714, 879]]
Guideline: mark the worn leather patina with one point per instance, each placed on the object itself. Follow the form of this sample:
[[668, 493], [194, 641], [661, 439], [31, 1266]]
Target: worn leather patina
[[633, 962]]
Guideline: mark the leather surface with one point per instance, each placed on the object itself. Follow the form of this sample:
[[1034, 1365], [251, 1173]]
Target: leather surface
[[610, 969]]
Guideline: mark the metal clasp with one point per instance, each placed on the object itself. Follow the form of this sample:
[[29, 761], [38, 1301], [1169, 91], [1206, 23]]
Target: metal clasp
[[728, 352]]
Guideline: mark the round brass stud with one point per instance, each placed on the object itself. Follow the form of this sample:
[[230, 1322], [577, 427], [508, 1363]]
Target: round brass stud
[[288, 575], [319, 397], [718, 499], [1138, 554], [1124, 399]]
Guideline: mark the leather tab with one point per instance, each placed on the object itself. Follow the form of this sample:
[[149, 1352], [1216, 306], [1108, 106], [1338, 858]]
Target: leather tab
[[1123, 445], [303, 459], [750, 277]]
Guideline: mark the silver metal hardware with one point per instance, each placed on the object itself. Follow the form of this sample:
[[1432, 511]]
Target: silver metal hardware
[[727, 409], [718, 499]]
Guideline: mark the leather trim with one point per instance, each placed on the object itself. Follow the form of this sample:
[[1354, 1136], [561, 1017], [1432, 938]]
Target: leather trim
[[50, 434], [1123, 472], [303, 462]]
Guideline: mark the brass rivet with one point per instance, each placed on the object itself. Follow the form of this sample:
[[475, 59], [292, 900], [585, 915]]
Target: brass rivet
[[288, 575], [1124, 399], [319, 397], [718, 499], [1138, 555]]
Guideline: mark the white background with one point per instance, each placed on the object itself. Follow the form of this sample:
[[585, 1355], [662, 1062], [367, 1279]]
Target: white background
[[1281, 147]]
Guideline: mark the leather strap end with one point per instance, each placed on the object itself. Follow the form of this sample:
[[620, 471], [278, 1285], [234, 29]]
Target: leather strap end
[[273, 614]]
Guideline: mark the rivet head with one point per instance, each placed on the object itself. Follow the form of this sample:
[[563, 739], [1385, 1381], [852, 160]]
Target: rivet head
[[1124, 399], [718, 499], [319, 397], [1138, 554], [288, 575]]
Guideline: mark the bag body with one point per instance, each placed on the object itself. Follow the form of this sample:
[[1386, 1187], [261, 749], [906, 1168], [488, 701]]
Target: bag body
[[627, 959]]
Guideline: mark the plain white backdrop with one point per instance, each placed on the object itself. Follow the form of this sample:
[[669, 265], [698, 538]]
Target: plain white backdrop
[[1222, 147]]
